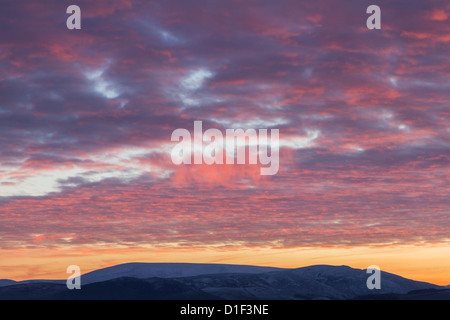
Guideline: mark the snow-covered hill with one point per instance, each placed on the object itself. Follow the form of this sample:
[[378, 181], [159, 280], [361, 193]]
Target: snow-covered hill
[[314, 282], [168, 270], [219, 281]]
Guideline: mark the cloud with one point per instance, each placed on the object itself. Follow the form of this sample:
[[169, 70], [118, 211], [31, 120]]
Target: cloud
[[86, 119], [439, 15]]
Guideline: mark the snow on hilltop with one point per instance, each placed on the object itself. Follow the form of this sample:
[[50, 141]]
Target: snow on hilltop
[[143, 270]]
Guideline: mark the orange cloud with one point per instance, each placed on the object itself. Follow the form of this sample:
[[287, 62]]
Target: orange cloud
[[438, 15]]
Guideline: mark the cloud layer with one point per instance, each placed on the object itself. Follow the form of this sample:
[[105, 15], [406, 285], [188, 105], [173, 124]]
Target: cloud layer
[[86, 118]]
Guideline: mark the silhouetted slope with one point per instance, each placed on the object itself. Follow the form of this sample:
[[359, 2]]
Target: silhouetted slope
[[126, 288], [31, 291], [123, 288], [426, 294], [7, 282]]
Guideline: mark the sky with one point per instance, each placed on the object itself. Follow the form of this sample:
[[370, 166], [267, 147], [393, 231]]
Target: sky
[[86, 118]]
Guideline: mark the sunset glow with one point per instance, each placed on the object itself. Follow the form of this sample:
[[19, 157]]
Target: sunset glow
[[86, 118]]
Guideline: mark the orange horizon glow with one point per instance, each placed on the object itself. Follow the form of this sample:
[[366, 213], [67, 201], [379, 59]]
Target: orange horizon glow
[[429, 263]]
